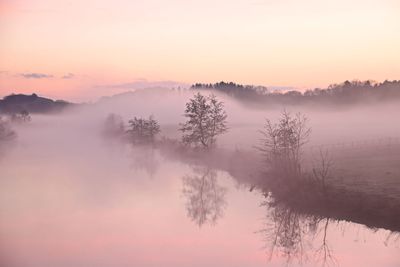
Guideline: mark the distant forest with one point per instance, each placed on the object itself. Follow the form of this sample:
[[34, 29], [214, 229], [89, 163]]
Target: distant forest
[[346, 93]]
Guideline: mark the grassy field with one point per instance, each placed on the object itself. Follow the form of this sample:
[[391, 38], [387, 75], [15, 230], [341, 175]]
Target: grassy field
[[369, 169], [364, 183]]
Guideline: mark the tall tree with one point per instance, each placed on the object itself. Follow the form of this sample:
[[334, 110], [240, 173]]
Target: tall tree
[[282, 144], [206, 119]]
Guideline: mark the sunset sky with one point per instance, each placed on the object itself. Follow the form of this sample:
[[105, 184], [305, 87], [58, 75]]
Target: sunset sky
[[81, 50]]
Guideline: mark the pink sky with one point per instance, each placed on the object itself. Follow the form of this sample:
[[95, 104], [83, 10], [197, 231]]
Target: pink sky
[[81, 50]]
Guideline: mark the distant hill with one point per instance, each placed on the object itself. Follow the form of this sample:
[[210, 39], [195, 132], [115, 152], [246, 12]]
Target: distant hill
[[346, 93], [17, 103]]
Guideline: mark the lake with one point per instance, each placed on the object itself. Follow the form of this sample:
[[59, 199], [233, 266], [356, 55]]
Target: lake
[[104, 204]]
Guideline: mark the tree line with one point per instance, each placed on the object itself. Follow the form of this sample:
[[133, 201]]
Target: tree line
[[348, 92], [281, 145], [205, 120]]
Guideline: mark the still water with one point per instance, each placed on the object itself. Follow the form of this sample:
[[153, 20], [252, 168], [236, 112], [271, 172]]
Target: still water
[[100, 204]]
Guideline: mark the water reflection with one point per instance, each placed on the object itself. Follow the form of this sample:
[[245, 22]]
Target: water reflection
[[393, 238], [301, 238], [298, 237], [56, 211], [145, 158], [205, 198]]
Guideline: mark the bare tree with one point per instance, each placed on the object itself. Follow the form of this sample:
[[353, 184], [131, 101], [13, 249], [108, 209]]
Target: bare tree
[[282, 143], [143, 131], [206, 119], [321, 171]]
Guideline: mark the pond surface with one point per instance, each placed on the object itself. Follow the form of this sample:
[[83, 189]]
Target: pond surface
[[100, 204]]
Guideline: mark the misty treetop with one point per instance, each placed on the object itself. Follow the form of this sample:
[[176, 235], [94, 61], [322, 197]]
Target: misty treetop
[[143, 131], [234, 89], [348, 92], [206, 119], [282, 142], [21, 117], [6, 133], [114, 126]]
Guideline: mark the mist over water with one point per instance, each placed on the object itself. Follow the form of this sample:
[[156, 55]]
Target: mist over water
[[71, 197], [225, 134], [344, 124]]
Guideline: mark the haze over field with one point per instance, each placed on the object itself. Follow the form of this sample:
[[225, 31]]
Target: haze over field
[[199, 133], [63, 182]]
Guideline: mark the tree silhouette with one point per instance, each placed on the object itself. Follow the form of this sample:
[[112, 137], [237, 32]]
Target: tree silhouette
[[346, 93], [282, 143], [143, 131], [206, 119]]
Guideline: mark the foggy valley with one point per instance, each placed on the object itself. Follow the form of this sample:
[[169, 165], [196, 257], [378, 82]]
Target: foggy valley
[[74, 175], [227, 133]]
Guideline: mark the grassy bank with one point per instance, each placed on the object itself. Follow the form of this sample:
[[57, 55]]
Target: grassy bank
[[362, 187]]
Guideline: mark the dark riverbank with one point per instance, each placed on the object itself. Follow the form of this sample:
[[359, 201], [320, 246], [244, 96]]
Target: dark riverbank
[[337, 201]]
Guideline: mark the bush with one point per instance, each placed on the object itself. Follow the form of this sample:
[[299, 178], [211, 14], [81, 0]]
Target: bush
[[282, 145], [143, 131]]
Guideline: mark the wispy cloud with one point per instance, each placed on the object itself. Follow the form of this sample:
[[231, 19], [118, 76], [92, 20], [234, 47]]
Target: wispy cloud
[[34, 75], [143, 84], [68, 76]]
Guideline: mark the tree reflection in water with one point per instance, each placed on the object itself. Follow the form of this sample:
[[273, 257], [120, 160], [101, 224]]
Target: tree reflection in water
[[145, 158], [291, 235], [392, 238], [205, 198]]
